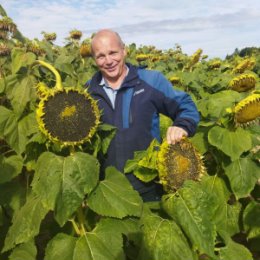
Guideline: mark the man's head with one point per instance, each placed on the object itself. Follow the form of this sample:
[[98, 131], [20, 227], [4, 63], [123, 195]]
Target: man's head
[[109, 53]]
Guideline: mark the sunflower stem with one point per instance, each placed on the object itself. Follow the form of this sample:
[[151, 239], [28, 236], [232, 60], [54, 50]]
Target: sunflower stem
[[75, 227], [82, 220], [72, 150], [54, 71]]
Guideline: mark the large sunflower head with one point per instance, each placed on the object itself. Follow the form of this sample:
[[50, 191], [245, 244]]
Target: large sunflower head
[[68, 116], [247, 111], [177, 163]]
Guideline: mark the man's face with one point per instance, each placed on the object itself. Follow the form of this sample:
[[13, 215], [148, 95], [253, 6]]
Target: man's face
[[109, 55]]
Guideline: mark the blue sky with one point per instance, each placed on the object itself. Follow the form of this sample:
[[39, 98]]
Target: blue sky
[[218, 27]]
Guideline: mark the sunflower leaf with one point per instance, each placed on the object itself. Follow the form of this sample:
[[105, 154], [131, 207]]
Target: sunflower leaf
[[230, 142], [115, 197], [67, 180], [89, 246], [26, 223], [242, 174], [26, 251], [193, 209], [163, 239], [10, 167]]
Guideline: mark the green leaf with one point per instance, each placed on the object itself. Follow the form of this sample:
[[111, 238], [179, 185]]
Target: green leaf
[[7, 121], [110, 232], [21, 59], [232, 144], [12, 194], [226, 216], [61, 247], [91, 247], [144, 163], [132, 164], [106, 133], [102, 244], [22, 93], [233, 250], [2, 11], [10, 167], [26, 223], [8, 82], [115, 196], [64, 63], [214, 106], [47, 177], [145, 174], [193, 209], [1, 216], [80, 176], [165, 122], [67, 180], [251, 220], [163, 239], [199, 141], [16, 131], [242, 174], [150, 159], [2, 85], [26, 251]]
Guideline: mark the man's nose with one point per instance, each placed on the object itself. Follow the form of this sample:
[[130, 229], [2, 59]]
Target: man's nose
[[108, 59]]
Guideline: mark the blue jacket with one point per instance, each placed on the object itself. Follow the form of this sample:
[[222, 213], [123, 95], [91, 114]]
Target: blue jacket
[[143, 95]]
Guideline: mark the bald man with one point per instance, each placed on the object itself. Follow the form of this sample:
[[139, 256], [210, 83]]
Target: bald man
[[131, 99]]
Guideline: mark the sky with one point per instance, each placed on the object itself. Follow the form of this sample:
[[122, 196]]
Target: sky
[[215, 26]]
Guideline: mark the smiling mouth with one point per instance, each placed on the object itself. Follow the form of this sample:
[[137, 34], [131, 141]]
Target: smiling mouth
[[111, 68]]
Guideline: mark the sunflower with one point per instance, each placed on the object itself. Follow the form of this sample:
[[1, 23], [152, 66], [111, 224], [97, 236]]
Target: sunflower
[[247, 111], [174, 80], [177, 163], [246, 64], [142, 57], [7, 24], [85, 50], [68, 116], [4, 50], [243, 82], [75, 34]]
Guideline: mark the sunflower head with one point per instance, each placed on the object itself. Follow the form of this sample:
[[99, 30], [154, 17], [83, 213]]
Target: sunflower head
[[75, 34], [246, 64], [34, 47], [142, 57], [4, 50], [243, 82], [67, 116], [85, 50], [215, 64], [7, 24], [50, 37], [177, 163], [196, 57], [3, 35], [247, 111], [174, 80]]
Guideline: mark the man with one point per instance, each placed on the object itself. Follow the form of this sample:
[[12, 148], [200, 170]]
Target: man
[[131, 99]]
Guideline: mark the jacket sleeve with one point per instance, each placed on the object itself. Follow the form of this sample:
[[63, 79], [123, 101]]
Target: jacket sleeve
[[176, 104]]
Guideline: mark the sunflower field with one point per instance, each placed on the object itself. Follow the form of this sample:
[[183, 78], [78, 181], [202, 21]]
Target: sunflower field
[[53, 204]]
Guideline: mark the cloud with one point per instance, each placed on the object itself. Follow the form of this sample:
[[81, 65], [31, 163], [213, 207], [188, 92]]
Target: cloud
[[192, 24]]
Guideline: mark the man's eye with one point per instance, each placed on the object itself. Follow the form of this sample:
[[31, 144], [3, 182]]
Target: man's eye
[[100, 57]]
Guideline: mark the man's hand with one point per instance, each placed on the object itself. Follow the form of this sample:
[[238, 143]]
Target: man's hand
[[175, 134]]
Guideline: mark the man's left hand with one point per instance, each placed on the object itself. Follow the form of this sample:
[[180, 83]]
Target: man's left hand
[[175, 134]]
